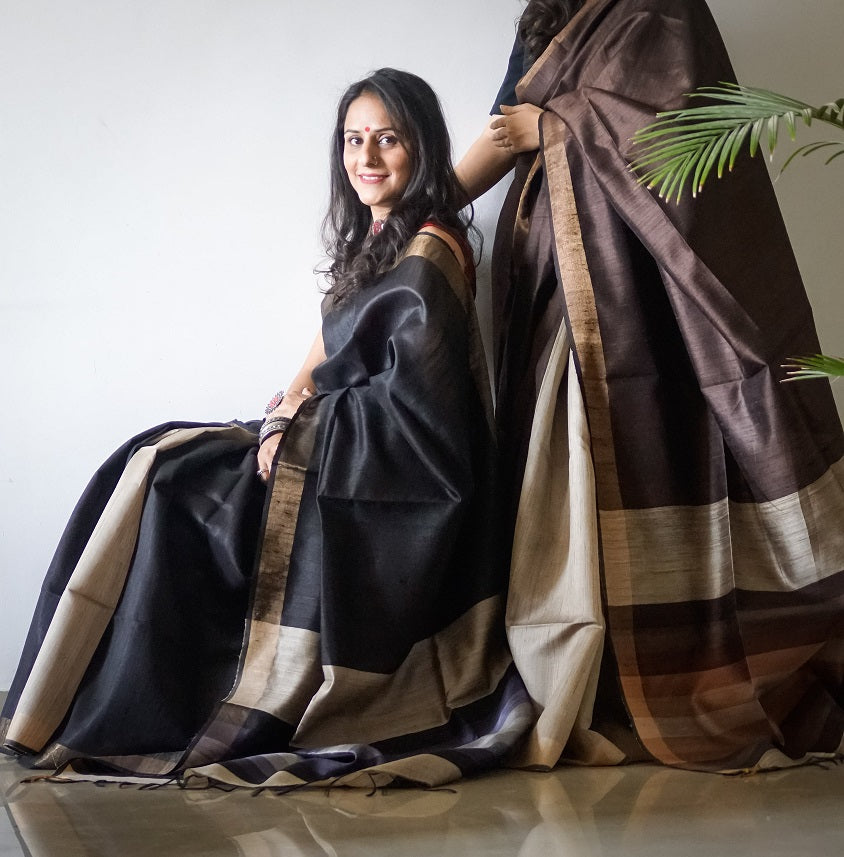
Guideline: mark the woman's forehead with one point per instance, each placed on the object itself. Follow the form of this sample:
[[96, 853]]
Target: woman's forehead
[[367, 111]]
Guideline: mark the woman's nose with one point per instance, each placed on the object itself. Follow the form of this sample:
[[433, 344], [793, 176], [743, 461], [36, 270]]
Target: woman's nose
[[369, 152]]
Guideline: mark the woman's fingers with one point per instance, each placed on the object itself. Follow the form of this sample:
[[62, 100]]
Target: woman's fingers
[[266, 456], [517, 129]]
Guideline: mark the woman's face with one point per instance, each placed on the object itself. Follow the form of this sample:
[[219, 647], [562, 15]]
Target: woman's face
[[376, 161]]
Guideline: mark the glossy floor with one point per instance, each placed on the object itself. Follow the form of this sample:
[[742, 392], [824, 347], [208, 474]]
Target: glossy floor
[[638, 810]]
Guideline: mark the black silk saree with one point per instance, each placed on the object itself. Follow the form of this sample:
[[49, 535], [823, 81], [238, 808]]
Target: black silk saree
[[690, 576], [343, 625]]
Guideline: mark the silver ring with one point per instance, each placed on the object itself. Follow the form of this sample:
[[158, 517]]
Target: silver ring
[[262, 470]]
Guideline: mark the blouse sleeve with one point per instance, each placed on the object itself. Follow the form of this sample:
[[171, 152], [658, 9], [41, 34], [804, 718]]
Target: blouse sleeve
[[515, 72]]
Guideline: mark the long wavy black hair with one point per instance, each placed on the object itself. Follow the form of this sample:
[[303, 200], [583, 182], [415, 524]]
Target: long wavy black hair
[[542, 20], [358, 258]]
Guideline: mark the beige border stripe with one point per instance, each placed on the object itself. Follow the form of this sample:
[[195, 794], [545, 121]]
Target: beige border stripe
[[438, 253], [87, 604]]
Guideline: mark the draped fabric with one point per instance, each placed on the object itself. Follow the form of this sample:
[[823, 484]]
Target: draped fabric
[[343, 626], [678, 558]]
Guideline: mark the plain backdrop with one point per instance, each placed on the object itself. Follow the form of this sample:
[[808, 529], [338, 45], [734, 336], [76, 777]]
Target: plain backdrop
[[162, 183]]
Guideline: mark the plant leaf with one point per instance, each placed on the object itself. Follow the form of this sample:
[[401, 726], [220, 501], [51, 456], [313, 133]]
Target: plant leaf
[[816, 366], [697, 184], [684, 145], [809, 149], [773, 125], [755, 135], [737, 144]]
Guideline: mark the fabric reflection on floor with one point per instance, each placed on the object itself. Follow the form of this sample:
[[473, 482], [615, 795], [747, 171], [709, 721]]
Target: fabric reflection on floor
[[641, 809]]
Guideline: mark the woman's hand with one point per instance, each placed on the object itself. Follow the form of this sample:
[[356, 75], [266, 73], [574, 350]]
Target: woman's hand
[[517, 130], [266, 455], [288, 407]]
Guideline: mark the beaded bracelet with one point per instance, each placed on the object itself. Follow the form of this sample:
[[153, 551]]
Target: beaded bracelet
[[270, 420], [275, 425]]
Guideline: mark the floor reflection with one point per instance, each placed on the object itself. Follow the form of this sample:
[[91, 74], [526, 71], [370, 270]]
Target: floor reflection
[[637, 810]]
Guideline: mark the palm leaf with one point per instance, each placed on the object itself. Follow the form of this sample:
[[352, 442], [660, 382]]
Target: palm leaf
[[810, 148], [818, 366], [684, 146]]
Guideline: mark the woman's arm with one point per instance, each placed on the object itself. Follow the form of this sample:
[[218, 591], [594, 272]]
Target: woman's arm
[[484, 165], [300, 388], [493, 154]]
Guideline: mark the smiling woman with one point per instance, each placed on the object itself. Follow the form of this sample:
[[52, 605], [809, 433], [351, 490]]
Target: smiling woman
[[164, 177], [400, 167], [376, 160], [369, 574]]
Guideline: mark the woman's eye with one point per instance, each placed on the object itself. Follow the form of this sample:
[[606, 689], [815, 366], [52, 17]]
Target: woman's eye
[[387, 140], [353, 141]]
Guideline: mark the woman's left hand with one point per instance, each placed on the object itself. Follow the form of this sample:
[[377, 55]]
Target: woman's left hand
[[288, 407], [517, 130]]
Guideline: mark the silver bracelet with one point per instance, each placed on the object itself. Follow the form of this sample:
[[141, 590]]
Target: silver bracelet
[[274, 425]]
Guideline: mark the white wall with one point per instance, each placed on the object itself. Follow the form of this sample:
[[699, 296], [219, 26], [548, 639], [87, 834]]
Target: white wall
[[162, 181], [163, 175]]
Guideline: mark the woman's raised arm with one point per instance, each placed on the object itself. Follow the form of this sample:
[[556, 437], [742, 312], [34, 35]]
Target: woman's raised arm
[[484, 165], [494, 153]]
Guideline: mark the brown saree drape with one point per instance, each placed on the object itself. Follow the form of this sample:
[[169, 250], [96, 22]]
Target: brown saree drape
[[670, 488]]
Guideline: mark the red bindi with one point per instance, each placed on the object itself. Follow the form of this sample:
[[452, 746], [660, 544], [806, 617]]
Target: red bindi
[[366, 129]]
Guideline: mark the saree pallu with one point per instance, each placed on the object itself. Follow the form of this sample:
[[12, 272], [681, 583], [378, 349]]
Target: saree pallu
[[343, 626], [677, 582]]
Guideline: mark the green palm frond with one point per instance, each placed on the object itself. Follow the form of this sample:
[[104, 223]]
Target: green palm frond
[[811, 148], [818, 366], [685, 146]]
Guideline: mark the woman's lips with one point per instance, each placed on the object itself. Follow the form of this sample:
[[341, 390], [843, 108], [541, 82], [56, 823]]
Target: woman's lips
[[369, 178]]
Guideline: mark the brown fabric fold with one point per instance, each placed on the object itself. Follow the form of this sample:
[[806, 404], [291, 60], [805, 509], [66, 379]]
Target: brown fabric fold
[[719, 495]]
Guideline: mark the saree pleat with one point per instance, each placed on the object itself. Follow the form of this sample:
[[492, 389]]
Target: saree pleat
[[344, 625], [718, 496]]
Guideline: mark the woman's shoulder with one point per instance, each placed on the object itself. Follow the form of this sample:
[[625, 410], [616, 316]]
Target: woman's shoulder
[[455, 242], [458, 242]]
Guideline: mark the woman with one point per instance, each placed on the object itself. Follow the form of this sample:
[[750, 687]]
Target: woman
[[369, 574], [684, 601]]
